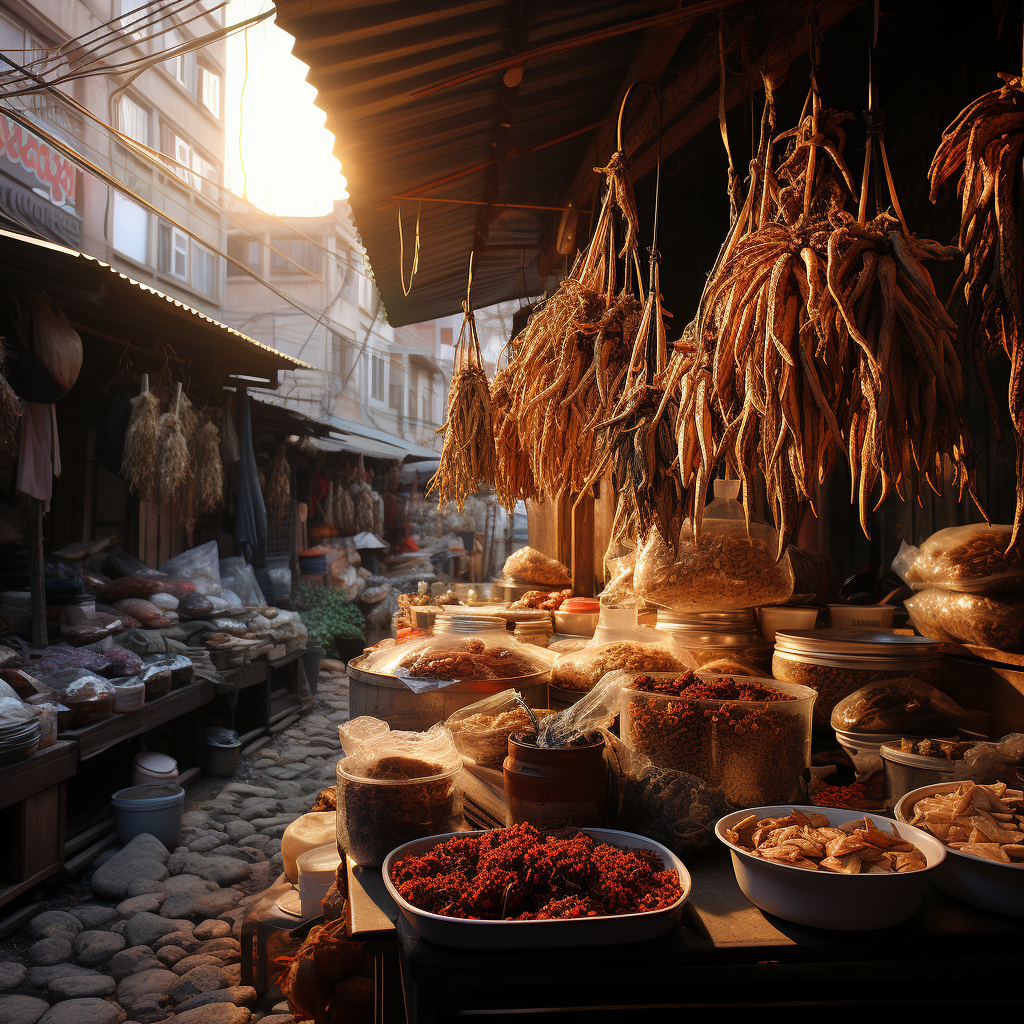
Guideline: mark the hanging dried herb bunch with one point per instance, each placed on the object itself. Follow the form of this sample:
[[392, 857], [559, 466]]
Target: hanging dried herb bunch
[[279, 485], [173, 467], [513, 476], [208, 493], [467, 454], [10, 407], [138, 464]]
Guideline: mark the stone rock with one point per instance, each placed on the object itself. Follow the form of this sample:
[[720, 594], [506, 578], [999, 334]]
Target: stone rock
[[221, 946], [281, 1007], [284, 774], [22, 1009], [153, 982], [81, 988], [190, 963], [119, 928], [196, 981], [82, 1011], [197, 819], [150, 1009], [149, 903], [256, 842], [170, 955], [222, 870], [208, 841], [241, 853], [233, 972], [142, 886], [12, 974], [262, 824], [239, 829], [41, 977], [97, 947], [54, 924], [94, 916], [133, 960], [142, 859], [144, 928], [47, 952], [212, 930], [243, 789], [257, 807], [239, 995], [183, 940], [277, 1018], [214, 1013]]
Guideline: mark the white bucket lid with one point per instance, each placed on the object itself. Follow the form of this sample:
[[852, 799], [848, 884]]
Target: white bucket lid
[[155, 763]]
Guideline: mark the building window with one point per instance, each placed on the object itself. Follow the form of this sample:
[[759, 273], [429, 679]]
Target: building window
[[294, 251], [377, 378], [246, 251], [133, 120], [132, 17], [447, 335], [131, 229], [412, 405], [365, 293], [209, 90], [173, 251], [204, 270]]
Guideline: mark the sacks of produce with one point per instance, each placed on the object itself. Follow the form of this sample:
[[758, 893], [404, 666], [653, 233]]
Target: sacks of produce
[[528, 565], [481, 730], [909, 706], [973, 559], [991, 620]]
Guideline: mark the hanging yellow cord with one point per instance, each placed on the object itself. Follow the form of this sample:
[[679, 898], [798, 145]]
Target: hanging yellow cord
[[401, 251]]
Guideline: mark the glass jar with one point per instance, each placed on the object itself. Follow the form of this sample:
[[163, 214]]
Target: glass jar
[[728, 636]]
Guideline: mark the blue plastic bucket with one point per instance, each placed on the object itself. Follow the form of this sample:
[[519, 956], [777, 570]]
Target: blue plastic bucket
[[153, 809]]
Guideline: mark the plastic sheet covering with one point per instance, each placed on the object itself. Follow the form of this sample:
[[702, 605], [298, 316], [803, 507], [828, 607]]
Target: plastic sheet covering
[[596, 711], [898, 706], [998, 761], [972, 559], [481, 730], [991, 620], [731, 565], [620, 591], [199, 565], [239, 578], [47, 725], [20, 729], [91, 699]]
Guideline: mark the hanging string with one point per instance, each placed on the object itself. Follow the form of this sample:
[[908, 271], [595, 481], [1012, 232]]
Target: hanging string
[[415, 251], [733, 186]]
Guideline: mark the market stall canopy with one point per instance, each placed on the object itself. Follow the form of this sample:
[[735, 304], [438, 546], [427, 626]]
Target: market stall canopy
[[474, 124], [274, 411], [347, 436], [98, 299]]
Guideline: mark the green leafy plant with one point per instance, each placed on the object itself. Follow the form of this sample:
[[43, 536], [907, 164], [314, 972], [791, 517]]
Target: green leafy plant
[[329, 616]]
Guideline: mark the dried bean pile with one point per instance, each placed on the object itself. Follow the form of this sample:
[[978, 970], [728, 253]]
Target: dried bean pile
[[721, 731]]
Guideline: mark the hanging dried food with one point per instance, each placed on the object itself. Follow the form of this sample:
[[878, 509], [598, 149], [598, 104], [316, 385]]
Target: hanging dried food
[[362, 502], [209, 478], [467, 453], [10, 407], [568, 372], [513, 477], [140, 439], [173, 468], [279, 485], [344, 511], [983, 145]]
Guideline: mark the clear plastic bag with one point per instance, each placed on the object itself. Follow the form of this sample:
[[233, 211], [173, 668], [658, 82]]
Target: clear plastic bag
[[593, 712], [633, 648], [47, 725], [394, 787], [989, 620], [972, 559], [481, 730], [20, 729], [619, 591], [91, 699], [237, 576], [728, 566], [673, 808], [144, 611], [128, 695], [165, 602], [56, 344], [200, 565], [898, 706], [531, 566], [998, 761]]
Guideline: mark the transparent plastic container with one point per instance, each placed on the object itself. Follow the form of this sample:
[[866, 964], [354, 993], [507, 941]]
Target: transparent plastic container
[[719, 636], [753, 750], [129, 695]]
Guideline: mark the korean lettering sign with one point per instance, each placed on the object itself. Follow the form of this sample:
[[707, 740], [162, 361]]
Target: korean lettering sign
[[37, 164]]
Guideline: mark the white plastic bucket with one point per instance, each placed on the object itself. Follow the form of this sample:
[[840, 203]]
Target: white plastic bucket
[[152, 767], [153, 809]]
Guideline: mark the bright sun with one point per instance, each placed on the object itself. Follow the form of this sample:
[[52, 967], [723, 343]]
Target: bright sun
[[278, 150]]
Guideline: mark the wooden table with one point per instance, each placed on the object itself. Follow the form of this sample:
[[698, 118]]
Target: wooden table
[[725, 953]]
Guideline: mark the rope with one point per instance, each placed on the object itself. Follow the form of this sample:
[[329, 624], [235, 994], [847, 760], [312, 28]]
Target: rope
[[415, 251]]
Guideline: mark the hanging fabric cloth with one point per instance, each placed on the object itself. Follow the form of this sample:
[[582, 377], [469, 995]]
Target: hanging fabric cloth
[[39, 453], [251, 513]]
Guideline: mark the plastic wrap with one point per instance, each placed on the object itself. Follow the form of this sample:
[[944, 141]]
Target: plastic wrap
[[530, 566], [237, 576], [636, 648], [156, 677], [143, 584], [481, 730], [165, 602], [145, 611], [127, 695], [972, 559], [47, 725], [989, 620], [998, 761], [20, 729], [196, 606], [200, 565], [619, 591], [673, 808], [898, 706], [123, 662], [394, 787], [91, 699], [728, 566], [751, 738]]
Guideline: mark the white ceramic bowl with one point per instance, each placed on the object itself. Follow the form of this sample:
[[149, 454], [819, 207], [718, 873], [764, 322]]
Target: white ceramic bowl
[[775, 617], [588, 931], [996, 887], [824, 899]]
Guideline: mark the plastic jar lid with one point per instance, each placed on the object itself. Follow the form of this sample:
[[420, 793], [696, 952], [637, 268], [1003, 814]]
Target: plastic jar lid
[[468, 624], [156, 763], [868, 643], [865, 663]]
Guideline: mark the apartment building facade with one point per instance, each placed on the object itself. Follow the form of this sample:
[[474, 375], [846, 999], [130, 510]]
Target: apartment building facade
[[174, 108]]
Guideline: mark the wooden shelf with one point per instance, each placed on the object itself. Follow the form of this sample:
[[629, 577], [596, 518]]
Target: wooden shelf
[[40, 771], [94, 739]]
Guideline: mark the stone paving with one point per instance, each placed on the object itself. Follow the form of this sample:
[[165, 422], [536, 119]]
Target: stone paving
[[153, 935]]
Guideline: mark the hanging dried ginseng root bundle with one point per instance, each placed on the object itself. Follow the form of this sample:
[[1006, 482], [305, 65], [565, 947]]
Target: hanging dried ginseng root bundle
[[467, 454], [173, 468], [208, 493], [984, 146], [513, 478], [138, 464]]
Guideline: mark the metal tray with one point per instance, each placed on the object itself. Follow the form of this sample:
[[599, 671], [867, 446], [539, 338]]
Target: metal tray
[[591, 931]]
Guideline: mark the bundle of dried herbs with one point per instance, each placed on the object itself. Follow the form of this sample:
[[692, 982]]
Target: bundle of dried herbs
[[173, 466], [279, 484], [139, 463], [208, 492]]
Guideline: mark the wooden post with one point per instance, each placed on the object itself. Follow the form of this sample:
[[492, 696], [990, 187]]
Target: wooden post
[[583, 547], [37, 575]]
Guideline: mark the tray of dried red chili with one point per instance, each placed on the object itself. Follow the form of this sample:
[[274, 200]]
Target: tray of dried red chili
[[518, 888], [749, 737]]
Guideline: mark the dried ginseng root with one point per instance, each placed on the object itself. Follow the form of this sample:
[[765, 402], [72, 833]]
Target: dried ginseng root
[[513, 477], [467, 455], [983, 145]]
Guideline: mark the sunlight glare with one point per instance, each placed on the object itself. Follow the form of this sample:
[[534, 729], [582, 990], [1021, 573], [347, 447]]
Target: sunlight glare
[[279, 154]]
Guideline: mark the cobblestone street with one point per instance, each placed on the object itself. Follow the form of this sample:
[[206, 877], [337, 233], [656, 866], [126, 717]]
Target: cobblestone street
[[149, 935]]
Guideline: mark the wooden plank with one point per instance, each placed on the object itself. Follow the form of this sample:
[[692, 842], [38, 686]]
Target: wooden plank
[[94, 739], [38, 772], [16, 889], [583, 554], [371, 911]]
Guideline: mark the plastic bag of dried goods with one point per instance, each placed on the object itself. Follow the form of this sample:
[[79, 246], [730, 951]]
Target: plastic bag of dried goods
[[730, 564], [619, 591], [671, 807], [973, 559], [145, 611], [20, 729], [999, 761], [237, 576], [991, 620], [481, 730], [898, 706], [618, 643], [529, 565], [200, 565], [91, 699]]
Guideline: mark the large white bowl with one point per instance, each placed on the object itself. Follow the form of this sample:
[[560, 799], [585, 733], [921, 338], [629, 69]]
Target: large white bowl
[[975, 880], [586, 931], [824, 899]]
